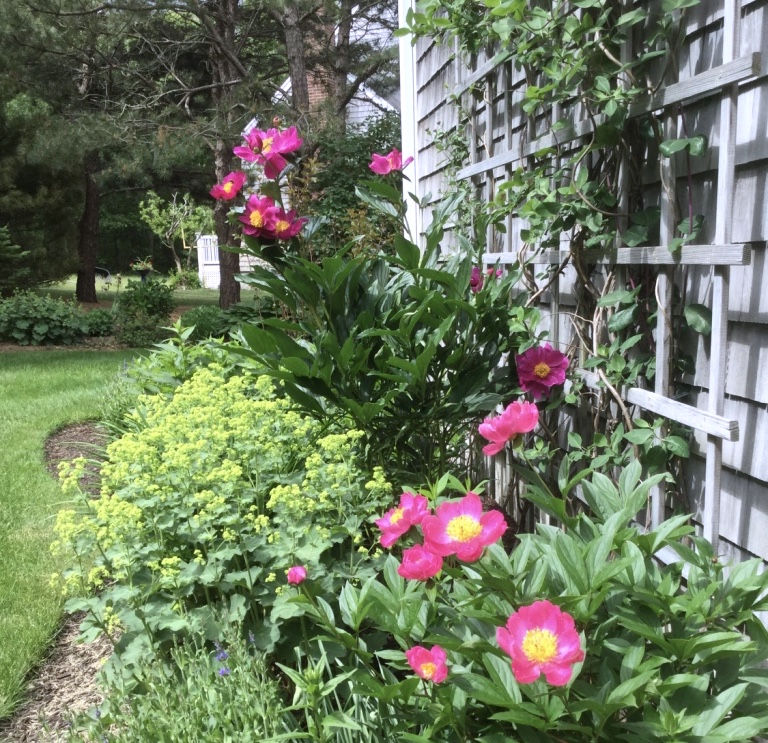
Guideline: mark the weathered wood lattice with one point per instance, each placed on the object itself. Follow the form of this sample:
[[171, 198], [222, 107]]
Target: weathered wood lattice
[[722, 87]]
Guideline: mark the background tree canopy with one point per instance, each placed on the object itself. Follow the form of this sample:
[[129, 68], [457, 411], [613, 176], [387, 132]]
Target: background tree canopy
[[101, 102]]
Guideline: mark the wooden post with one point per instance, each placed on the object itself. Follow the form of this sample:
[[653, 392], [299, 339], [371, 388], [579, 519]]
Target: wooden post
[[409, 124], [720, 274]]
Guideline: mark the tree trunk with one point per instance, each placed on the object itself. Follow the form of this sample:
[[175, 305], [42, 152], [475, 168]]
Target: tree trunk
[[224, 70], [229, 263], [341, 64], [88, 233], [294, 47]]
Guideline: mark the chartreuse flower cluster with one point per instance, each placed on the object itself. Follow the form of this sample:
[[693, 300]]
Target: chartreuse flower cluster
[[215, 491]]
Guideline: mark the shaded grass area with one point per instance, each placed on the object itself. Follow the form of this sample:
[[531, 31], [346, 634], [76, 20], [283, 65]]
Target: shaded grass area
[[39, 392], [185, 297]]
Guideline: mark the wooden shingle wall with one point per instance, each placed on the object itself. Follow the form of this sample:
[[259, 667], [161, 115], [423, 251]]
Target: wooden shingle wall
[[726, 51]]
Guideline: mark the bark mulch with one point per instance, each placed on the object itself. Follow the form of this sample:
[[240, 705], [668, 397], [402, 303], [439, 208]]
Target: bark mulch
[[65, 681]]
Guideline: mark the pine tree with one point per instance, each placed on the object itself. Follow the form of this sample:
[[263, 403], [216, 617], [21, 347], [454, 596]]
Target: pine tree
[[13, 271]]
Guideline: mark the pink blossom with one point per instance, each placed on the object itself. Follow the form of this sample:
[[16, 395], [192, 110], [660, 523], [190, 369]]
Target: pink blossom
[[260, 216], [229, 187], [541, 638], [297, 574], [268, 147], [461, 528], [540, 368], [395, 522], [476, 280], [287, 224], [429, 665], [385, 164], [419, 564], [518, 417]]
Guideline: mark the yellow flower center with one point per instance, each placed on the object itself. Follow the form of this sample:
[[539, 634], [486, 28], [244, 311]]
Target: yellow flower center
[[428, 670], [396, 516], [229, 187], [541, 370], [266, 144], [256, 219], [463, 528], [281, 225], [539, 645]]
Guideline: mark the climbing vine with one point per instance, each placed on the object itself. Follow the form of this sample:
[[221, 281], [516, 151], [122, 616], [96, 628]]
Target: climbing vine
[[589, 69]]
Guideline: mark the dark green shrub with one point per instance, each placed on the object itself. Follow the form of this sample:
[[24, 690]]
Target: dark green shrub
[[12, 260], [247, 312], [29, 319], [187, 278], [342, 165], [100, 322], [142, 312], [206, 321]]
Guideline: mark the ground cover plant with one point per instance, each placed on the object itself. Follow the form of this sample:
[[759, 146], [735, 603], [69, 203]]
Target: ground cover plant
[[29, 319], [40, 392], [213, 492]]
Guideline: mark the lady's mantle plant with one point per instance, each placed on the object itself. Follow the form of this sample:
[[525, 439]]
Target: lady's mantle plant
[[215, 492]]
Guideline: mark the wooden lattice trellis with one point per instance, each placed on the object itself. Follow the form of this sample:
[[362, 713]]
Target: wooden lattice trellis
[[497, 159]]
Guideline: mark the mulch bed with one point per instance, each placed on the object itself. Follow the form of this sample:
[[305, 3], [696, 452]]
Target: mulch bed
[[65, 681]]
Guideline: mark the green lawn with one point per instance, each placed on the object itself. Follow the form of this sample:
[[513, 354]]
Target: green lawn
[[39, 392], [186, 297]]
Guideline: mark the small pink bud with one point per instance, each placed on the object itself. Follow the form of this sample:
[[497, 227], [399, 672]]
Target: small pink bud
[[297, 574]]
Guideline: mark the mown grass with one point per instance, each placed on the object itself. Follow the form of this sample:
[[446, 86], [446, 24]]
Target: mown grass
[[39, 392], [183, 297]]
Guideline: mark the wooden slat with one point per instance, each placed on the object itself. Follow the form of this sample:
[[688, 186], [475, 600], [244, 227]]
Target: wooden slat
[[702, 420], [687, 415], [407, 52], [484, 70], [688, 255], [707, 83]]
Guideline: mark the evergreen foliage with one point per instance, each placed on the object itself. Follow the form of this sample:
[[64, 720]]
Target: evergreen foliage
[[13, 272]]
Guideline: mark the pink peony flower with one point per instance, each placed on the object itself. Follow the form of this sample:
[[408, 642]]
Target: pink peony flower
[[395, 522], [541, 638], [268, 147], [297, 574], [419, 564], [476, 280], [260, 216], [540, 368], [287, 224], [518, 417], [461, 528], [385, 164], [229, 187], [429, 665]]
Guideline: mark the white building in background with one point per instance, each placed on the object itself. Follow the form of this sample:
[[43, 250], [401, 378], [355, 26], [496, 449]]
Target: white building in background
[[208, 262]]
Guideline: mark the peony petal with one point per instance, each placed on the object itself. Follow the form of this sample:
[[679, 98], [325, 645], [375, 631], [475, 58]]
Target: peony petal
[[524, 671], [557, 674], [490, 449]]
